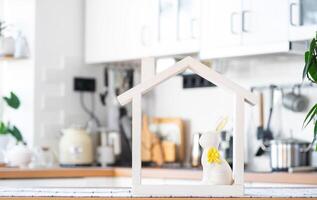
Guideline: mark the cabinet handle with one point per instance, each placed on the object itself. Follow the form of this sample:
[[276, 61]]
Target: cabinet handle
[[192, 25], [232, 23], [244, 13], [142, 38], [291, 8]]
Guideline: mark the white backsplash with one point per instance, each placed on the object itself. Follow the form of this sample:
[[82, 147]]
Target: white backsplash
[[202, 107]]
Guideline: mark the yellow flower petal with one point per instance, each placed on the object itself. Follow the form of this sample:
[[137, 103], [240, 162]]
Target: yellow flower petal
[[213, 156]]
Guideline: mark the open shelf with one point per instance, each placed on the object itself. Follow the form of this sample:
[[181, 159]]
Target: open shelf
[[10, 58]]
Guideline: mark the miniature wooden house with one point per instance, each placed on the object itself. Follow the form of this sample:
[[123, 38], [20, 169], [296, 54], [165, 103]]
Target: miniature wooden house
[[148, 82]]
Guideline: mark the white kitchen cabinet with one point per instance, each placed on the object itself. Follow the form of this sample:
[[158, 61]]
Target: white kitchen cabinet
[[178, 27], [119, 30], [124, 30], [247, 27], [220, 25], [302, 19]]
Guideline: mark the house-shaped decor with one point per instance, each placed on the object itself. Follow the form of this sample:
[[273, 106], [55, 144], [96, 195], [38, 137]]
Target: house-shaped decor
[[148, 82]]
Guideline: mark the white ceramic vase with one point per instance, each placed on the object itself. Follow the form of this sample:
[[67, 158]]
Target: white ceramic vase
[[216, 170], [7, 46], [18, 155], [4, 141]]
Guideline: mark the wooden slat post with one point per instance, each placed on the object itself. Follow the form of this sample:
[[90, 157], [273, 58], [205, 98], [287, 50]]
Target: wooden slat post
[[238, 140], [147, 72], [148, 68], [136, 140]]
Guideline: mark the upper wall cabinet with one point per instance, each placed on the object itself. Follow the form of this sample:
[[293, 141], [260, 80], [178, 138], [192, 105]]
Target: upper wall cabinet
[[124, 29], [302, 19], [236, 28], [119, 30], [178, 27]]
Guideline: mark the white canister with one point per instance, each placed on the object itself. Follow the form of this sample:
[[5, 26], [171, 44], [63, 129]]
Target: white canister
[[75, 148]]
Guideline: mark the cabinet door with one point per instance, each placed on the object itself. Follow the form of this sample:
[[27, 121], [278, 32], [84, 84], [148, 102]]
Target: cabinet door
[[264, 25], [119, 30], [104, 30], [302, 19], [220, 27], [178, 27], [142, 27]]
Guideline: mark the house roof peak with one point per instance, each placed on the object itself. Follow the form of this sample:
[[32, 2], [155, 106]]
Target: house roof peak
[[199, 69]]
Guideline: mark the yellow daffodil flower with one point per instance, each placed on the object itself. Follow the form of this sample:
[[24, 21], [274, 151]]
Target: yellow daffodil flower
[[213, 156]]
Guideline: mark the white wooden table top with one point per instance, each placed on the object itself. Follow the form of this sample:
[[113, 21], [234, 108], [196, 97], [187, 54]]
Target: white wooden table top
[[126, 192]]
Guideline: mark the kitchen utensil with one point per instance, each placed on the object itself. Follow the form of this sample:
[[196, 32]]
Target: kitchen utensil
[[196, 150], [156, 150], [146, 140], [287, 153], [112, 104], [126, 135], [260, 129], [295, 102], [173, 130], [75, 148], [105, 155], [265, 135], [105, 152], [93, 130], [268, 135], [169, 151], [226, 144], [115, 141]]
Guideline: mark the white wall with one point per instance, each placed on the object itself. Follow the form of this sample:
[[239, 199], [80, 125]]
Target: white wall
[[59, 57], [18, 76], [44, 82], [202, 107]]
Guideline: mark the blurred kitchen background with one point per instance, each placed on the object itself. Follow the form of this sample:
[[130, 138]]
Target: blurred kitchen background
[[68, 60]]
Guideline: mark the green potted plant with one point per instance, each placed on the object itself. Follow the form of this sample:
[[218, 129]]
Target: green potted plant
[[8, 128], [310, 73], [17, 154]]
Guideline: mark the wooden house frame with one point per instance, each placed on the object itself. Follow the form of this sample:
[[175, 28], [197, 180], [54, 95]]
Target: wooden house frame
[[148, 81]]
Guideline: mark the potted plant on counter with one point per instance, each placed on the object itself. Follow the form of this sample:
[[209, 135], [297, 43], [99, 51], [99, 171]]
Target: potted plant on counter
[[17, 154], [310, 73]]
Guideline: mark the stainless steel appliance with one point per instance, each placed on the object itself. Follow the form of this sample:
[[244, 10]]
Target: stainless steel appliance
[[288, 153]]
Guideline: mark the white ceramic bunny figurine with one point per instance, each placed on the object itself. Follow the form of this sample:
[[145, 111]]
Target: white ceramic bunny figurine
[[216, 170]]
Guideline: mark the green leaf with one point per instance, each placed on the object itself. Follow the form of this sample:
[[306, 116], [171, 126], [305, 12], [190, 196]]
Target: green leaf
[[312, 71], [306, 67], [312, 45], [3, 128], [310, 115], [15, 132], [315, 129], [12, 101]]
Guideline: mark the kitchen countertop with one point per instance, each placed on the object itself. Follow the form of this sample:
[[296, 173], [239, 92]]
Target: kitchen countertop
[[105, 183], [191, 174], [125, 193]]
